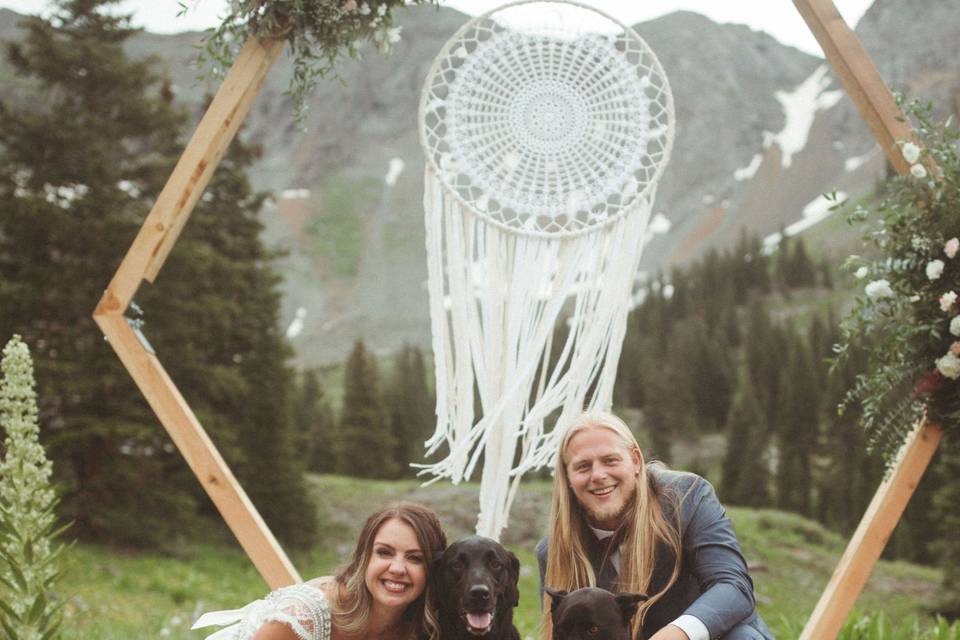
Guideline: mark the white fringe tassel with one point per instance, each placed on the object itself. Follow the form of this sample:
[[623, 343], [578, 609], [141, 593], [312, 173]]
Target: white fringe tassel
[[495, 298]]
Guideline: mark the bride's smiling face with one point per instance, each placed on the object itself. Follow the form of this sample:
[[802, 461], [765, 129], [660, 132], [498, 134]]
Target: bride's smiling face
[[396, 573]]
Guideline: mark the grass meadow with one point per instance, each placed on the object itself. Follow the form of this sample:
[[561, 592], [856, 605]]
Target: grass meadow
[[115, 594]]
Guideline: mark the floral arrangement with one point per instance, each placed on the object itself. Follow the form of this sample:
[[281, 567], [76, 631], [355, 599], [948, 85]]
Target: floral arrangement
[[318, 32], [908, 321]]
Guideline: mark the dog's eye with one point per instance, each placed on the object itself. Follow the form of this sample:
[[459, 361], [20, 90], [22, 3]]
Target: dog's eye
[[456, 565], [594, 630], [496, 565]]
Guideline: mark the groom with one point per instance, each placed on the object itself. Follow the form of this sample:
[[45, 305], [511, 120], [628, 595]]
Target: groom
[[625, 526]]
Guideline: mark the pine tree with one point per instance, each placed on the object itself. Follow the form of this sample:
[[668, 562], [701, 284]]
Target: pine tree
[[798, 430], [745, 473], [79, 170], [314, 424], [826, 274], [368, 445], [708, 372], [800, 270], [764, 359], [844, 489], [29, 554], [947, 517], [782, 263], [410, 408], [77, 178]]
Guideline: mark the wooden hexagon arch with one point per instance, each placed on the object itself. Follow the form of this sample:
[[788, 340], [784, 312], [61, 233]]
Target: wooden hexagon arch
[[216, 130]]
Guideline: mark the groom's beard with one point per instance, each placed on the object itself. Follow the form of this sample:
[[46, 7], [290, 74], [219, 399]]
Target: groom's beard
[[614, 512]]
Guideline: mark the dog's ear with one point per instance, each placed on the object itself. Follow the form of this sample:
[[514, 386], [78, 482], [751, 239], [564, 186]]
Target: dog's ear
[[556, 597], [513, 588], [628, 603], [435, 579]]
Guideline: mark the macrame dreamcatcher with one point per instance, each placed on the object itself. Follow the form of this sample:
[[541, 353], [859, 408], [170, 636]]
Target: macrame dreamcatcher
[[546, 126]]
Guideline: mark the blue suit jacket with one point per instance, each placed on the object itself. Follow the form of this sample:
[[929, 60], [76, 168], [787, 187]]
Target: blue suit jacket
[[713, 584]]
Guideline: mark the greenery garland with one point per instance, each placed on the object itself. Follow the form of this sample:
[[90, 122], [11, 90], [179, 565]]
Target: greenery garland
[[318, 32], [908, 320]]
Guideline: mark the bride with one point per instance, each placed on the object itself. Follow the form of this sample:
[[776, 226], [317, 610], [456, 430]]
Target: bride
[[379, 595]]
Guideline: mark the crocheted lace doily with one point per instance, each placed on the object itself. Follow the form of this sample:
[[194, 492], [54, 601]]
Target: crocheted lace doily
[[547, 117]]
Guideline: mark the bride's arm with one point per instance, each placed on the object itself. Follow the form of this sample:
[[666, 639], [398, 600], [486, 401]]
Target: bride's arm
[[296, 612], [275, 631]]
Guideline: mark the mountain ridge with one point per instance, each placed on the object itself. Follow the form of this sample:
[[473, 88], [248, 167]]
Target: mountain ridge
[[742, 99]]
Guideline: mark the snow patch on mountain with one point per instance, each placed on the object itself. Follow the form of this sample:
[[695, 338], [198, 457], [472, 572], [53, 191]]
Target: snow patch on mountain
[[816, 211], [800, 106], [852, 164], [747, 172]]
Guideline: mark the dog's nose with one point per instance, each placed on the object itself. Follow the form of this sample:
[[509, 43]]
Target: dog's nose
[[479, 592]]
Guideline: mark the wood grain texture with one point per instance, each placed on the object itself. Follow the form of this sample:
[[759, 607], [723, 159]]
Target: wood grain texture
[[200, 453], [878, 108], [192, 173]]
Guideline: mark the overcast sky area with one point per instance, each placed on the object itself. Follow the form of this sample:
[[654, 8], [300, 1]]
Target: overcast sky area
[[779, 18]]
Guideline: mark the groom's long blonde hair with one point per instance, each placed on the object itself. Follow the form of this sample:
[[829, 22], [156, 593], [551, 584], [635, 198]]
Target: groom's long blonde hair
[[568, 566]]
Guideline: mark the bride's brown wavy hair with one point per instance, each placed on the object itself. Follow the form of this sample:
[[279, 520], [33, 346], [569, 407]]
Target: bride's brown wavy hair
[[568, 566], [352, 601]]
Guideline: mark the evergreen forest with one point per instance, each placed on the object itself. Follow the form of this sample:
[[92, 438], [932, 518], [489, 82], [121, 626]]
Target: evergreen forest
[[722, 371]]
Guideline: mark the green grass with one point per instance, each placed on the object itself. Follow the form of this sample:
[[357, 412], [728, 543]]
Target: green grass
[[792, 559], [335, 235], [115, 594]]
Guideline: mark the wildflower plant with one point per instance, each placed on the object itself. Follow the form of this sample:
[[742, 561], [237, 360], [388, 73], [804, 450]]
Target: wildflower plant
[[318, 32], [29, 555], [908, 319]]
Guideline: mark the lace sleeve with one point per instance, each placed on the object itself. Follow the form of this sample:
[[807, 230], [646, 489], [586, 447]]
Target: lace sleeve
[[302, 607]]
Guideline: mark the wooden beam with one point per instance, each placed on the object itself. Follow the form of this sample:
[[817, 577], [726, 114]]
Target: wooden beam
[[859, 76], [871, 536], [876, 104], [200, 453], [192, 173]]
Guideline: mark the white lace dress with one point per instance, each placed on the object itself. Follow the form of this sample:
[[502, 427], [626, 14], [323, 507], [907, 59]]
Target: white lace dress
[[303, 607]]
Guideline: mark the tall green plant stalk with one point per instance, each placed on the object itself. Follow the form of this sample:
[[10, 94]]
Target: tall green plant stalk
[[29, 554]]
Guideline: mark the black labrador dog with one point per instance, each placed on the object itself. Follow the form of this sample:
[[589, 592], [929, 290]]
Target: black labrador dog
[[473, 586], [593, 614]]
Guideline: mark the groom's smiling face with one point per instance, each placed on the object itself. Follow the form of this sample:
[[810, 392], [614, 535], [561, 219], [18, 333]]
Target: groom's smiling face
[[602, 472]]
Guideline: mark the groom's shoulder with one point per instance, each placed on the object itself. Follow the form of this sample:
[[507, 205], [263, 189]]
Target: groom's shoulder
[[678, 482], [542, 548]]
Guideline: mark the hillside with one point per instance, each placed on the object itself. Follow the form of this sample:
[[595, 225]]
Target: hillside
[[115, 596], [763, 130]]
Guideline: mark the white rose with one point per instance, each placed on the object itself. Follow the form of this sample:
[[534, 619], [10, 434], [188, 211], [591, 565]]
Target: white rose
[[949, 366], [935, 269], [917, 171], [878, 289], [955, 326], [386, 38], [947, 300], [911, 152], [861, 273]]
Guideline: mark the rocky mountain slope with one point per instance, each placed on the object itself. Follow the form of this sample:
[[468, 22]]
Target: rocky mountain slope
[[762, 131]]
